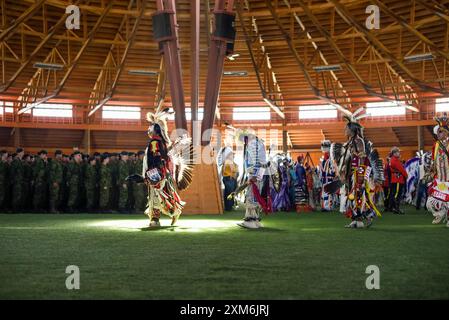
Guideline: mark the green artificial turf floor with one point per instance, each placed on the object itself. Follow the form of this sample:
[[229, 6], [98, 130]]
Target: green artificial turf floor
[[306, 256]]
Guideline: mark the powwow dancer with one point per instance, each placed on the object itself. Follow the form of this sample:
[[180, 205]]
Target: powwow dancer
[[301, 191], [327, 175], [281, 200], [358, 167], [417, 169], [167, 169], [438, 193], [255, 180]]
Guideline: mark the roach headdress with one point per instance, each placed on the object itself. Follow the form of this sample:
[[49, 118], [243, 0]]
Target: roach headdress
[[158, 123]]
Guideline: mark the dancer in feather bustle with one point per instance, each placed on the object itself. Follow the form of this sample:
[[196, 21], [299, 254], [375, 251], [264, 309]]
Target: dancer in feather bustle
[[167, 169], [358, 167], [438, 193]]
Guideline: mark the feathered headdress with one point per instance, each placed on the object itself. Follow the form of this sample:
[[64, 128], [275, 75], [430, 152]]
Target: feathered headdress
[[443, 123], [424, 157], [159, 121], [242, 135], [353, 122], [325, 145]]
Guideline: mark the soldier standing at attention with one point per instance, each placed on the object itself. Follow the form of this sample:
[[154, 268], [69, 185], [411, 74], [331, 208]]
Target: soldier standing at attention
[[64, 190], [123, 173], [131, 185], [27, 185], [3, 175], [40, 182], [74, 183], [113, 164], [55, 179], [16, 180], [105, 184], [140, 189], [90, 184]]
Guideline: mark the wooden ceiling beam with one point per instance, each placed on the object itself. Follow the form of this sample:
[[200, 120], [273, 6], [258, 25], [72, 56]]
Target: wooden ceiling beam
[[33, 54], [346, 99], [376, 43], [255, 65], [435, 9], [121, 65], [301, 63], [75, 61], [355, 34], [8, 32], [99, 87], [411, 29]]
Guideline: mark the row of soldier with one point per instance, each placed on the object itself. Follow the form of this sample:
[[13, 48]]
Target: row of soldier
[[75, 183]]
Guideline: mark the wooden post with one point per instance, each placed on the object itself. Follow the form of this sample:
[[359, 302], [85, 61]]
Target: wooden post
[[17, 137], [284, 141], [195, 59], [420, 138], [86, 143]]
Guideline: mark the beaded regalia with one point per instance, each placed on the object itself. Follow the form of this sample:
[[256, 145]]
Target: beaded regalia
[[255, 180], [326, 174], [438, 193], [167, 169], [358, 169]]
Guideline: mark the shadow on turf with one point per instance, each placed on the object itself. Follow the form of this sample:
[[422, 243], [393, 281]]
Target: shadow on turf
[[172, 228], [264, 229], [158, 228]]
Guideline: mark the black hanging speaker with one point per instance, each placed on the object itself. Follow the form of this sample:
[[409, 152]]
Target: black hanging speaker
[[224, 26], [161, 26]]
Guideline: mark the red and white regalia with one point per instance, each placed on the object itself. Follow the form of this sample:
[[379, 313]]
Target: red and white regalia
[[438, 192]]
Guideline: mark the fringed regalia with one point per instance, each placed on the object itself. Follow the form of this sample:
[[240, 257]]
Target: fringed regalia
[[438, 193], [358, 167], [327, 175], [255, 182], [301, 191], [416, 167], [167, 169], [281, 200]]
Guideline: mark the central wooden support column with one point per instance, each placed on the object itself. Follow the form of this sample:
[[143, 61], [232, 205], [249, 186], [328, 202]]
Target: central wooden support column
[[86, 142], [17, 137], [165, 28], [221, 44], [194, 58], [204, 195]]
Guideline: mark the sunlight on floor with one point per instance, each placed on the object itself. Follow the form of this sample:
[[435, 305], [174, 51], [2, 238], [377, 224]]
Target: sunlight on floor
[[191, 225]]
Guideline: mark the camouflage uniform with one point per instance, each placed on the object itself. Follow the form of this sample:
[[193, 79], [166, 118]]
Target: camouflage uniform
[[131, 189], [105, 187], [140, 190], [74, 186], [123, 172], [64, 189], [40, 184], [90, 186], [113, 164], [82, 190], [16, 175], [55, 186], [3, 183], [27, 184]]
